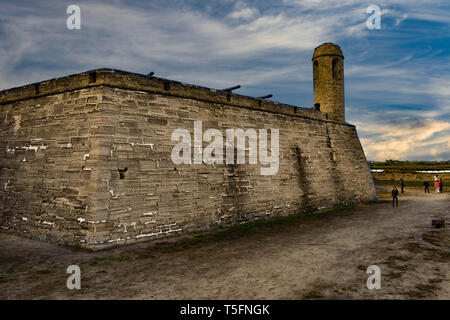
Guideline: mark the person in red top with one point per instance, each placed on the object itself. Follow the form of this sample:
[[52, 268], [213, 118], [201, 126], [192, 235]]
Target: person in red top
[[436, 186]]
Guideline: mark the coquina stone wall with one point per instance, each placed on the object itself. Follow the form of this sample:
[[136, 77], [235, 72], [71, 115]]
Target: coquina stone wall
[[48, 165], [85, 160]]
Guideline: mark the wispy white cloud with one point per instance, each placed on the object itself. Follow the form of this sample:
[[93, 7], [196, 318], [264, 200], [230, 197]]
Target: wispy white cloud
[[426, 141], [242, 11], [396, 70]]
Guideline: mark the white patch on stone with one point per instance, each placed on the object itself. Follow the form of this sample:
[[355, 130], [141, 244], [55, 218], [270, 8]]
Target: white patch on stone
[[16, 123], [96, 222], [167, 225], [81, 220], [151, 145], [34, 148], [125, 227], [86, 156], [48, 223], [143, 235], [170, 231], [24, 219]]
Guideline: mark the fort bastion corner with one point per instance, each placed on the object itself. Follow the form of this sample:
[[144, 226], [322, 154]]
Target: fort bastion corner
[[86, 160]]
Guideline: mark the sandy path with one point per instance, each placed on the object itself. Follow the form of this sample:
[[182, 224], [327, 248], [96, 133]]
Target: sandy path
[[325, 256]]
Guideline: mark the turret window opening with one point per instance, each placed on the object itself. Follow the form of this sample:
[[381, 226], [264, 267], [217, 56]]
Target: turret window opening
[[334, 69]]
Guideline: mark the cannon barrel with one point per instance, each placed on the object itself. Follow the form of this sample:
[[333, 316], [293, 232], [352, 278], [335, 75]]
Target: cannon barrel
[[232, 88], [266, 96]]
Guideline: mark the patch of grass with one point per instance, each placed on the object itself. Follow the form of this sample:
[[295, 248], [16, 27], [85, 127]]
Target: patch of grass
[[362, 267], [312, 295], [407, 166], [414, 247], [399, 258], [317, 291], [384, 195], [395, 275], [436, 280], [342, 207], [38, 273], [408, 183], [237, 230], [6, 279], [45, 271], [102, 261], [230, 232], [145, 256], [440, 238], [426, 288], [393, 262]]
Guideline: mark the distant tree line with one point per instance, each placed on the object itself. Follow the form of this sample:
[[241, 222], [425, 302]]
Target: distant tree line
[[409, 165]]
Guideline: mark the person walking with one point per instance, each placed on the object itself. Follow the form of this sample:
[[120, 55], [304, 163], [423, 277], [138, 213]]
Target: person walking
[[441, 184], [402, 185], [427, 186], [436, 186], [395, 196]]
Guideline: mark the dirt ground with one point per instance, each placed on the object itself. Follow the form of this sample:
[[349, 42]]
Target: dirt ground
[[317, 256]]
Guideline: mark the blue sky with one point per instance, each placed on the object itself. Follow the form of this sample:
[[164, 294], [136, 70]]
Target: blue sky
[[397, 78]]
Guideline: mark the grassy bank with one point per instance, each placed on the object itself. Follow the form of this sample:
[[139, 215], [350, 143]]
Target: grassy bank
[[392, 182], [392, 166]]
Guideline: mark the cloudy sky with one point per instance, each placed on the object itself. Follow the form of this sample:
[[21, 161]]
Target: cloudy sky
[[397, 78]]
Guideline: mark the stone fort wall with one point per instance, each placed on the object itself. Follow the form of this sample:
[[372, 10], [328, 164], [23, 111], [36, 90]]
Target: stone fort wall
[[85, 160]]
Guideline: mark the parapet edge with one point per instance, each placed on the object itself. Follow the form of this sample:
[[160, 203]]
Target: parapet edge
[[138, 82]]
